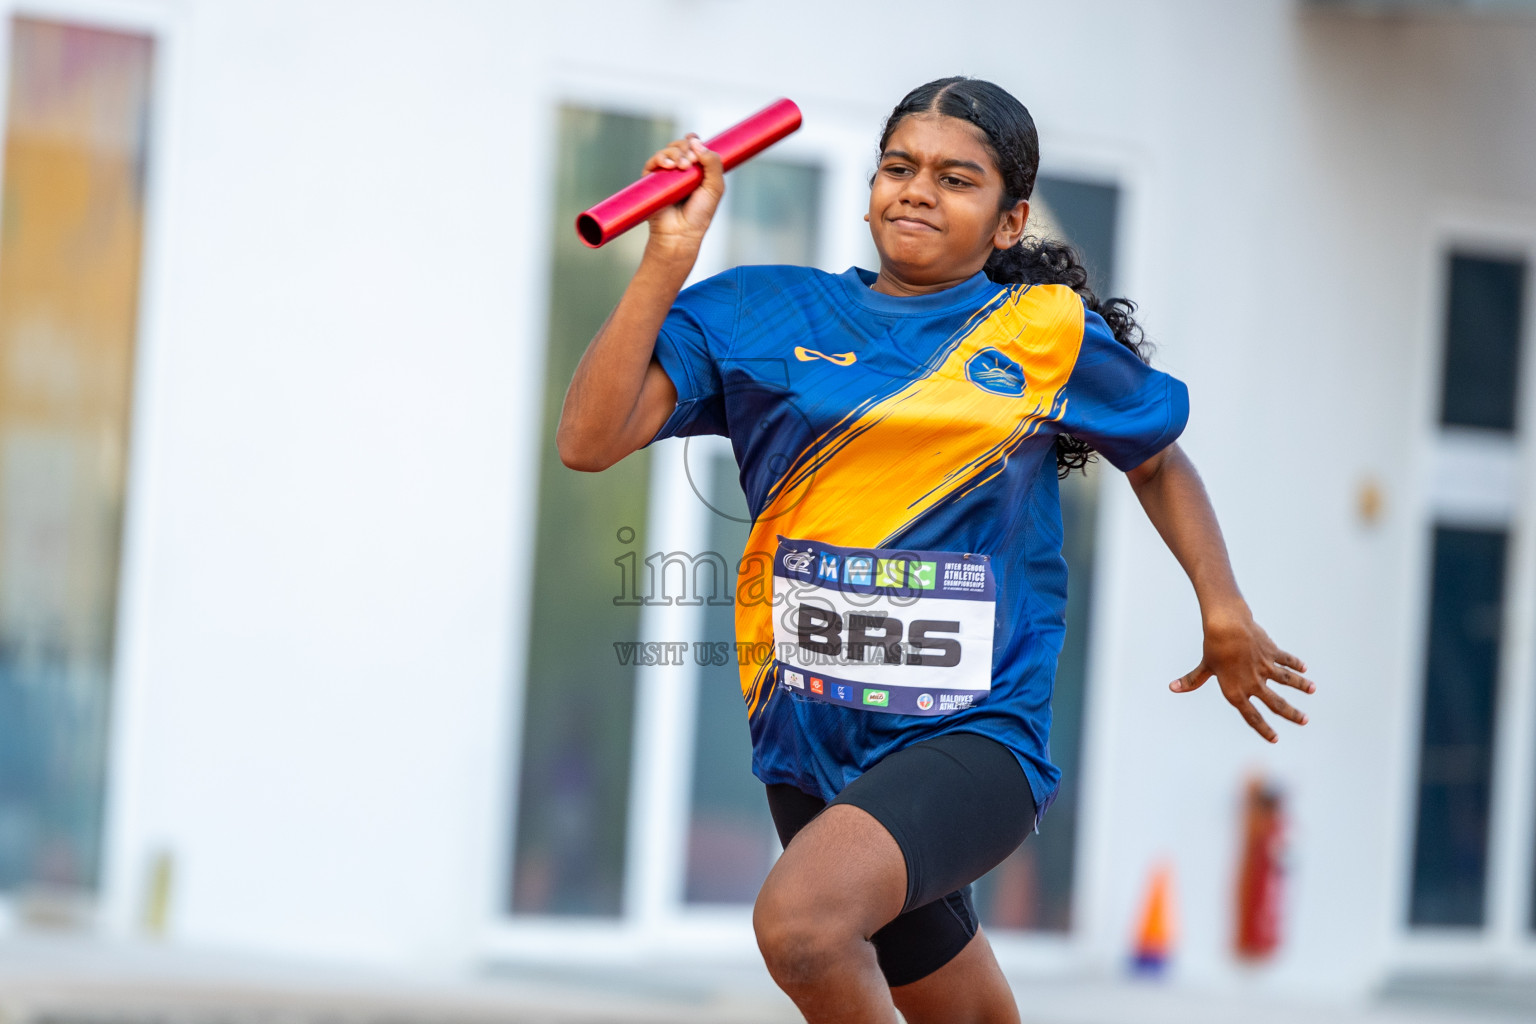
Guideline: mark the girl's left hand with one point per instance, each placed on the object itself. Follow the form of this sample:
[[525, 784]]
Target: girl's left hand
[[1245, 661]]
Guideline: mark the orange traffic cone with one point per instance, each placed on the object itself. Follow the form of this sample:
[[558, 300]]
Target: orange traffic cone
[[1155, 933]]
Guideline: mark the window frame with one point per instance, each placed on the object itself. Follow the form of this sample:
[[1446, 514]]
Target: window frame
[[117, 900], [1097, 926], [657, 921], [1470, 477], [655, 914]]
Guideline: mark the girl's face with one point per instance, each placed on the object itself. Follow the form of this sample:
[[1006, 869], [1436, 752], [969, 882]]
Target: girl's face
[[933, 205]]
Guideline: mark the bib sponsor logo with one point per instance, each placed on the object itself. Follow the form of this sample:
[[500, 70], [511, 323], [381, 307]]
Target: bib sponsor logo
[[797, 561], [817, 686], [971, 577], [859, 570], [828, 568], [924, 701], [905, 573], [992, 371], [878, 698], [793, 678]]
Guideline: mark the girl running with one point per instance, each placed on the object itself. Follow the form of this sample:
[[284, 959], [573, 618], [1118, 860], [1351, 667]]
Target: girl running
[[900, 435]]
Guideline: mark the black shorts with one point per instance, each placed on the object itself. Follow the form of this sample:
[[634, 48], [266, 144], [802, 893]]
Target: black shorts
[[957, 805]]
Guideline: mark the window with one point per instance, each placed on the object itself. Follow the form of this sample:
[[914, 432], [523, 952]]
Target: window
[[773, 209], [70, 242], [772, 212], [1085, 214], [1484, 306], [1472, 802], [1456, 742], [1530, 851], [731, 841], [578, 711], [1033, 889], [702, 837]]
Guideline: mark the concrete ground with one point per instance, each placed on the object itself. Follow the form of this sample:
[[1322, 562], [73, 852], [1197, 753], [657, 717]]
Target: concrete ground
[[76, 981]]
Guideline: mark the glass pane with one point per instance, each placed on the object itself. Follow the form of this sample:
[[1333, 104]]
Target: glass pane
[[1532, 923], [1456, 747], [70, 243], [1087, 215], [1033, 889], [774, 209], [573, 782], [730, 833], [1482, 342]]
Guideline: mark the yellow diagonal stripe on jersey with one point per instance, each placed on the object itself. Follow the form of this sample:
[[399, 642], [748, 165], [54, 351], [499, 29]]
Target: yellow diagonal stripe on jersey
[[866, 480]]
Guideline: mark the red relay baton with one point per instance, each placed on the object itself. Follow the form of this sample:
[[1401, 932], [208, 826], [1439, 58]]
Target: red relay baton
[[741, 142]]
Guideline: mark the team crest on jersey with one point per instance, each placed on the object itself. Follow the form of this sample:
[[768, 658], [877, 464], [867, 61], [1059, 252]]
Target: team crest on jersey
[[992, 371]]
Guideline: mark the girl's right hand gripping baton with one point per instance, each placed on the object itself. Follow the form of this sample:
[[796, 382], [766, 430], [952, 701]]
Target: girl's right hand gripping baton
[[623, 210]]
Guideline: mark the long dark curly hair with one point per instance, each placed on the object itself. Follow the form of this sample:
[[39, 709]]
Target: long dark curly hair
[[1010, 134]]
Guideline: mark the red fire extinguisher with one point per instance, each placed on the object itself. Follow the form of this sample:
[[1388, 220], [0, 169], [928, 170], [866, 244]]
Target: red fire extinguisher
[[1260, 873]]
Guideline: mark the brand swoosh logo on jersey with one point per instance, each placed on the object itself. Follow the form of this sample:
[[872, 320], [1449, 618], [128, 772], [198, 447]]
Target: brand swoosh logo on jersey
[[805, 355]]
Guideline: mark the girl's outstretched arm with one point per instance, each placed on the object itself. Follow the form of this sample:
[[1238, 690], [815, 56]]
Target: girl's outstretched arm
[[1237, 651], [620, 396]]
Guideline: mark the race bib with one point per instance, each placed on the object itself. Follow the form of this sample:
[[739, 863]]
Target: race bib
[[904, 632]]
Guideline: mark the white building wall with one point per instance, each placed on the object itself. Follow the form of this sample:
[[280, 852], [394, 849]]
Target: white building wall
[[334, 462], [1309, 332], [331, 477]]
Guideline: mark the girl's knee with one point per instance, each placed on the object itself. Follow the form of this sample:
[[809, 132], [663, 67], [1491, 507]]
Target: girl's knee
[[801, 939]]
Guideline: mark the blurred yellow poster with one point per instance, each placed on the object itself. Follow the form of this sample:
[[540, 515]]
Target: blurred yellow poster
[[71, 226]]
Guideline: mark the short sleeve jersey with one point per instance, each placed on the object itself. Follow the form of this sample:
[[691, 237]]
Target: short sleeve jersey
[[922, 423]]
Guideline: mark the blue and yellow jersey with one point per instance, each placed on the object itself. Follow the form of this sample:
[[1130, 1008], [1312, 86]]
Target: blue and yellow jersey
[[867, 422]]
